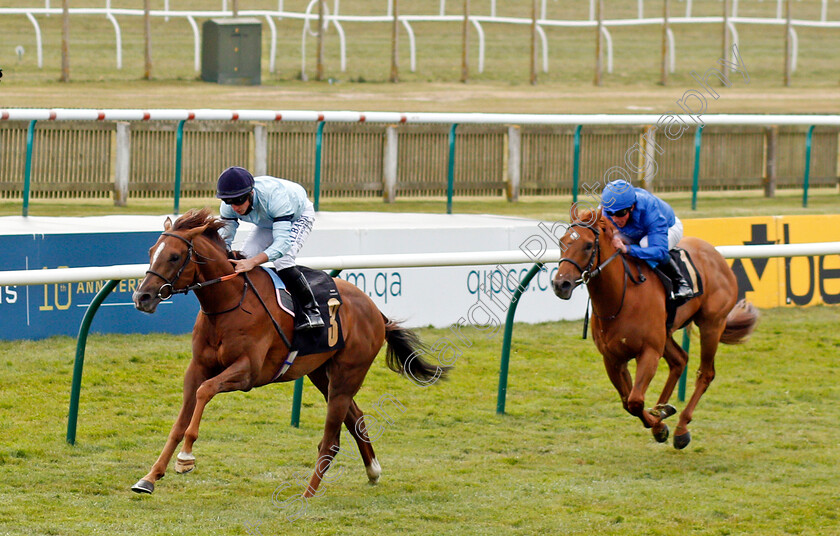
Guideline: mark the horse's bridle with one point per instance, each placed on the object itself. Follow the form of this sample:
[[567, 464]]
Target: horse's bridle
[[167, 290], [588, 273], [169, 285]]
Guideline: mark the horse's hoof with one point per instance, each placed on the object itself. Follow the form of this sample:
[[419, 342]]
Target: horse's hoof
[[143, 486], [374, 470], [662, 436], [184, 463], [662, 411], [682, 441]]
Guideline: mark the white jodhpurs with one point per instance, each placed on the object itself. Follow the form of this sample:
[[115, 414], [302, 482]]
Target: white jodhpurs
[[675, 234]]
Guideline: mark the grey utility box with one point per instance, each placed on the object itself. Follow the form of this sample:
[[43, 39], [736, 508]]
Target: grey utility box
[[231, 50]]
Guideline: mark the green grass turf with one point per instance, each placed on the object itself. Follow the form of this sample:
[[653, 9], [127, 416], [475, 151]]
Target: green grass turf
[[95, 82], [565, 459]]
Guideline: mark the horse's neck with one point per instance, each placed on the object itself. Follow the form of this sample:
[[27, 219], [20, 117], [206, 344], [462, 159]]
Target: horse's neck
[[211, 265], [607, 288]]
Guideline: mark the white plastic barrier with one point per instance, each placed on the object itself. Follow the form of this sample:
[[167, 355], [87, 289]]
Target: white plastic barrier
[[347, 262]]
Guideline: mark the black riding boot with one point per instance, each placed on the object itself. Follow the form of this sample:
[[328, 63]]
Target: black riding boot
[[299, 289], [682, 290]]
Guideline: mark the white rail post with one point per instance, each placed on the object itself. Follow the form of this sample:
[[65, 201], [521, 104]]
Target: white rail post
[[389, 165], [122, 167], [260, 149], [514, 162]]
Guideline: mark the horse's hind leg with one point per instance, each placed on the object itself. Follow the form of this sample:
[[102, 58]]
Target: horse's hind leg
[[354, 421], [709, 338]]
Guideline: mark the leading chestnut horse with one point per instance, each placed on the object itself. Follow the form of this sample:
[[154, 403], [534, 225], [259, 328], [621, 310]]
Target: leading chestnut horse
[[629, 317], [236, 345]]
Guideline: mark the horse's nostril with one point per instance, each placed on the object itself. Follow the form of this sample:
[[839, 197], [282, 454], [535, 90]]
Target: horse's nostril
[[566, 285]]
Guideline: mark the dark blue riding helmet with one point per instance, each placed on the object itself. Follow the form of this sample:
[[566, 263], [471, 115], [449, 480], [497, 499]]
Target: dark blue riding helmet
[[234, 182]]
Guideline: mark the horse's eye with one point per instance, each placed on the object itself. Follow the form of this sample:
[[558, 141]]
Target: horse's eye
[[174, 257], [588, 246]]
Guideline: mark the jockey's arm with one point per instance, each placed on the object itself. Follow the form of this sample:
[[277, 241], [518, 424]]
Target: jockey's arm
[[656, 250], [230, 217]]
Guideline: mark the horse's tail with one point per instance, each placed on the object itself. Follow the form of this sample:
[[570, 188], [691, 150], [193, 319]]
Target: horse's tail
[[740, 323], [405, 352]]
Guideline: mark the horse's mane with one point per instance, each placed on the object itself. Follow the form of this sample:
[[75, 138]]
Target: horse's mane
[[197, 218]]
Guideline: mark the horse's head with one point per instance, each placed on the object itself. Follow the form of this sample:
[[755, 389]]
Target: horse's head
[[172, 263], [585, 245]]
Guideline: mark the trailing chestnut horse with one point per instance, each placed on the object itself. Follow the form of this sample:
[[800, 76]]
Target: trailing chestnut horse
[[629, 317], [236, 346]]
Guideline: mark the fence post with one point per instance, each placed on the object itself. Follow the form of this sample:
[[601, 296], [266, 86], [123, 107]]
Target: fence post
[[389, 165], [772, 137], [318, 137], [695, 183], [76, 388], [807, 166], [576, 168], [514, 167], [122, 166], [599, 10], [465, 43], [27, 174], [450, 181], [666, 26], [260, 150], [503, 365], [686, 344], [179, 150]]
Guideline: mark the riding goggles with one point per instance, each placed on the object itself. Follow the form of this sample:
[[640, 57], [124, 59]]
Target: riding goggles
[[237, 200], [619, 213]]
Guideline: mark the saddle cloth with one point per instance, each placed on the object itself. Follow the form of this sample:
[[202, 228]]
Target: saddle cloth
[[313, 341], [689, 272]]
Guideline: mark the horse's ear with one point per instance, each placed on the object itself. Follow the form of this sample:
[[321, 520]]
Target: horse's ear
[[167, 224]]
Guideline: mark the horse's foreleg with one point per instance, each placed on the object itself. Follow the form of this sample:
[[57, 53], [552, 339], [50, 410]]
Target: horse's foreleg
[[620, 378], [192, 379], [645, 369], [709, 340], [237, 377]]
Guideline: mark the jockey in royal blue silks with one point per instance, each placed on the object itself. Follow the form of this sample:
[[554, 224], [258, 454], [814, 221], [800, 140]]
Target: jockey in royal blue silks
[[648, 229], [283, 217]]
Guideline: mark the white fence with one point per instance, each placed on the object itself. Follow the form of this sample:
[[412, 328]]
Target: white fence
[[336, 19], [350, 262]]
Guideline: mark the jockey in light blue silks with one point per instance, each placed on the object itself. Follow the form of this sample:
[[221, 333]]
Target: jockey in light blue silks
[[283, 217], [648, 229]]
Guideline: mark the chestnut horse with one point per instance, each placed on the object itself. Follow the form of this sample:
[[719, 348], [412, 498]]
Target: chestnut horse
[[629, 317], [236, 345]]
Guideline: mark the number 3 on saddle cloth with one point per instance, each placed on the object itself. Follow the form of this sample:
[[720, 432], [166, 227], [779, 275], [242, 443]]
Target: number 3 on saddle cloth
[[689, 272], [312, 341]]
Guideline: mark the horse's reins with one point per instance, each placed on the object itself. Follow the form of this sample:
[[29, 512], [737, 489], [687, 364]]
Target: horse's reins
[[586, 274], [169, 285]]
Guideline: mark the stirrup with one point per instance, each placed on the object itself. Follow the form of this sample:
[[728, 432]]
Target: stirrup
[[309, 321], [683, 292]]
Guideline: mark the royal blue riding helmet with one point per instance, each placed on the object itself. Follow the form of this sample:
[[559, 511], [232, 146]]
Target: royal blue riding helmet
[[618, 195]]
